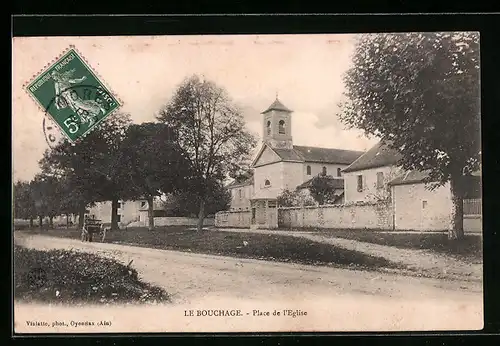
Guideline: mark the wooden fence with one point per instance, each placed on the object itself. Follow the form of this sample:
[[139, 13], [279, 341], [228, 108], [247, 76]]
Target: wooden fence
[[472, 206]]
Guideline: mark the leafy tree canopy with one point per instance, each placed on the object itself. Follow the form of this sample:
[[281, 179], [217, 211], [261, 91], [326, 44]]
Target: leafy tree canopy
[[419, 92]]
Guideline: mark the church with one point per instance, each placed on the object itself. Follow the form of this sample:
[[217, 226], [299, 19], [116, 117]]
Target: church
[[280, 165]]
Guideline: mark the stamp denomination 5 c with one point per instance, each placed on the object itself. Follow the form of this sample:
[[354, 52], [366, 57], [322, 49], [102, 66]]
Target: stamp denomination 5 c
[[72, 95]]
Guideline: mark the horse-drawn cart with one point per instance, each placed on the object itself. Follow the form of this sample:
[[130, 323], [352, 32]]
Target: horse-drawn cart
[[91, 226]]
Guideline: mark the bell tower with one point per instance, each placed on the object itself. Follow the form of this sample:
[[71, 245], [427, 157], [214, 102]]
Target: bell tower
[[277, 126]]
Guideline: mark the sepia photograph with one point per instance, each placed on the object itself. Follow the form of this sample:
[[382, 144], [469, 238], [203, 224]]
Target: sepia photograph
[[247, 183]]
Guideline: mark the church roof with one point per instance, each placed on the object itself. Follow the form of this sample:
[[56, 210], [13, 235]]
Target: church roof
[[327, 155], [277, 106], [313, 154], [378, 156], [288, 154]]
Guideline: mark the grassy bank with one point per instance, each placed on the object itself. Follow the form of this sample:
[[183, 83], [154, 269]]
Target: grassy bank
[[240, 244], [70, 277], [469, 248]]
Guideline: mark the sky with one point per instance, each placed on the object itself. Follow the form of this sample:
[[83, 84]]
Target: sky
[[305, 71]]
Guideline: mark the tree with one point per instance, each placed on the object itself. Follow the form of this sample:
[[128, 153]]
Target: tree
[[71, 198], [44, 192], [182, 203], [322, 189], [241, 174], [419, 93], [24, 206], [154, 163], [92, 166], [211, 132], [296, 198]]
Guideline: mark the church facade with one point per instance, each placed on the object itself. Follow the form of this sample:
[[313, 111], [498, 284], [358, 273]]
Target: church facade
[[280, 165]]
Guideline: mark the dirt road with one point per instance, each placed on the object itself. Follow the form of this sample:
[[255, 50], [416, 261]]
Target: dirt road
[[334, 299]]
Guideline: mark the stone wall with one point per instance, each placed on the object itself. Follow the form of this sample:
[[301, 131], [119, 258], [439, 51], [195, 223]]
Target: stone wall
[[177, 221], [473, 224], [358, 215], [237, 219]]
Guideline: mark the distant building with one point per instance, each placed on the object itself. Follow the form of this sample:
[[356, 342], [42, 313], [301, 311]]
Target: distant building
[[241, 192], [376, 175], [128, 211]]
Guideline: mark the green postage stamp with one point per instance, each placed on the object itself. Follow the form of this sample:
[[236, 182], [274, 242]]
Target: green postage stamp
[[72, 95]]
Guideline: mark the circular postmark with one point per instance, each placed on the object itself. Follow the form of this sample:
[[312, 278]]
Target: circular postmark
[[74, 111], [53, 136], [37, 277]]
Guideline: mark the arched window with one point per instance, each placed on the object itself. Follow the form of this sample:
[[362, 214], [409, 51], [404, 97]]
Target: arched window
[[339, 172], [308, 169], [282, 127], [267, 183], [268, 128], [324, 170]]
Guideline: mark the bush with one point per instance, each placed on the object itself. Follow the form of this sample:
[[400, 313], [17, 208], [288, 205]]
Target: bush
[[61, 276]]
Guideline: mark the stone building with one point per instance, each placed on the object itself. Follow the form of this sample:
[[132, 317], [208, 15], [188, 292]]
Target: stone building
[[280, 165], [375, 176]]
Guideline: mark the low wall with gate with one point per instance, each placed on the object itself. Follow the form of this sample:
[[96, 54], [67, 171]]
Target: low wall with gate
[[358, 215]]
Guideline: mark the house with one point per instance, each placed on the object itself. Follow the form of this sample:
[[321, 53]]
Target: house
[[418, 208], [375, 176], [158, 210], [128, 211], [241, 192], [367, 178], [280, 165]]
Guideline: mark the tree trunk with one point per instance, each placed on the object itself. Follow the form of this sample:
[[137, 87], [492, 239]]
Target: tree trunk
[[40, 221], [151, 219], [67, 220], [51, 221], [457, 229], [31, 222], [81, 215], [201, 215], [114, 214]]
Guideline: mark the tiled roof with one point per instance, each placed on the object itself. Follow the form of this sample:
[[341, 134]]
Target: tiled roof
[[335, 183], [379, 155], [472, 184], [327, 155], [410, 177], [277, 106], [314, 154], [234, 184]]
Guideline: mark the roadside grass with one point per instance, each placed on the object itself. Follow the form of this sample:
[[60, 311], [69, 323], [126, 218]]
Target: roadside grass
[[70, 277], [469, 248], [242, 245]]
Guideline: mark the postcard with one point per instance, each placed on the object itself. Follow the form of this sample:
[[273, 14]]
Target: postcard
[[247, 183]]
